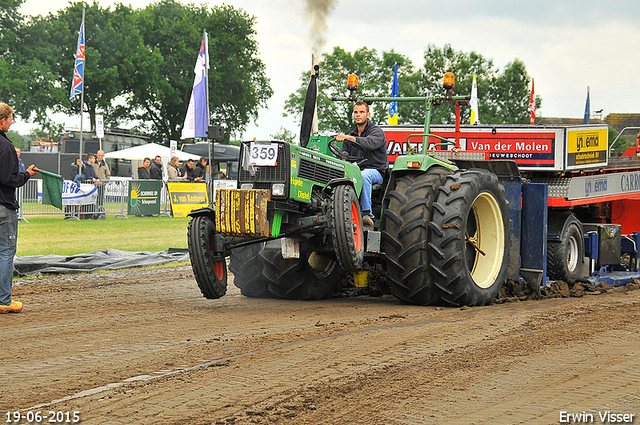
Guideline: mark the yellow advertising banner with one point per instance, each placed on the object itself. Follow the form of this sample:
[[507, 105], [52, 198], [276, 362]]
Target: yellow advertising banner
[[587, 146], [187, 196]]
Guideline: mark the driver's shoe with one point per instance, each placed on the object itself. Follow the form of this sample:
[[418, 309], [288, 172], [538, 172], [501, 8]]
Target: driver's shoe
[[367, 221], [14, 307]]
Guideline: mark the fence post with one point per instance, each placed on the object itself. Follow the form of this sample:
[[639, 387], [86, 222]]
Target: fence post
[[123, 197]]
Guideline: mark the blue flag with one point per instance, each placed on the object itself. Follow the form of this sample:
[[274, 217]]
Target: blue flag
[[196, 123], [393, 106], [587, 109], [78, 69]]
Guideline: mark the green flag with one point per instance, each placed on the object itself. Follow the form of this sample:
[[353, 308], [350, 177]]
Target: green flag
[[52, 189]]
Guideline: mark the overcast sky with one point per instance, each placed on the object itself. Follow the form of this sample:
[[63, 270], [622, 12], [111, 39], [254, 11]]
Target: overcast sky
[[566, 45]]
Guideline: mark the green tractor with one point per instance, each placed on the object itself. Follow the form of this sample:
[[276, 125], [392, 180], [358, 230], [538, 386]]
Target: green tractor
[[293, 228]]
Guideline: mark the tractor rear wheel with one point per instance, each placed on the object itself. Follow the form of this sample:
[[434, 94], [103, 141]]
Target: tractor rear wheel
[[245, 264], [406, 231], [210, 270], [311, 277], [346, 231], [470, 238]]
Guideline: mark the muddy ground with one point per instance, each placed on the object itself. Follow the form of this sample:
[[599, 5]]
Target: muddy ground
[[145, 347]]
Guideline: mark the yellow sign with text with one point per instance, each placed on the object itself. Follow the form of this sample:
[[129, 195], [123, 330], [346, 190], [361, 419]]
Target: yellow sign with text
[[587, 147], [186, 197]]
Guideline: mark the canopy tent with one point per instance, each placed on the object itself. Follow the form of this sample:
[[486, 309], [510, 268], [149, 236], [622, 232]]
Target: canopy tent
[[150, 150]]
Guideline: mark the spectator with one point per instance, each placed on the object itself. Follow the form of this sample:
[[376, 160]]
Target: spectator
[[173, 170], [143, 170], [20, 163], [89, 170], [10, 180], [75, 170], [81, 172], [103, 172], [188, 170], [155, 170], [200, 171], [101, 167]]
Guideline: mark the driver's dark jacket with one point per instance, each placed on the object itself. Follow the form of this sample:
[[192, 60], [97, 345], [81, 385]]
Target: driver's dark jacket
[[375, 143]]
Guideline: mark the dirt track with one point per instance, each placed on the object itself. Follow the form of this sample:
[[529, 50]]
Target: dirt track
[[145, 347]]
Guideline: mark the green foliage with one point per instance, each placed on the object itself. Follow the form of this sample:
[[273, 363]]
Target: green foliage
[[284, 135], [375, 73], [503, 96], [625, 141], [139, 64]]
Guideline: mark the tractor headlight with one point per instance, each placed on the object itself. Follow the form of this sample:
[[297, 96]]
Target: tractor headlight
[[277, 189], [246, 186]]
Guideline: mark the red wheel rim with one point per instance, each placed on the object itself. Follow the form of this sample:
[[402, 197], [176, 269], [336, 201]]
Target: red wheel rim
[[218, 266], [357, 228]]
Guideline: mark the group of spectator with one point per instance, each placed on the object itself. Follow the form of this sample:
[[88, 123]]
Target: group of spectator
[[189, 171], [96, 169]]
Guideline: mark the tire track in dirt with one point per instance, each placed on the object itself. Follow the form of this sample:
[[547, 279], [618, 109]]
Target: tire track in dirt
[[173, 357]]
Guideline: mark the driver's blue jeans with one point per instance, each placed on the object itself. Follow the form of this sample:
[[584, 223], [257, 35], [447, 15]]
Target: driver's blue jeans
[[370, 176], [8, 244]]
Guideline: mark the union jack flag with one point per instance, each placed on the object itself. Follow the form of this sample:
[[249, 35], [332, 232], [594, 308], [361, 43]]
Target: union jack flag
[[78, 69]]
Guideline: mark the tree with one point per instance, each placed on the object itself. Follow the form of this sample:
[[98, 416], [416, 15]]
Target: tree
[[161, 84], [375, 73], [503, 96], [139, 65]]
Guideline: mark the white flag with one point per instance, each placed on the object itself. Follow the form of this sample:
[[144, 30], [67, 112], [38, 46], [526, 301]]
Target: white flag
[[474, 102]]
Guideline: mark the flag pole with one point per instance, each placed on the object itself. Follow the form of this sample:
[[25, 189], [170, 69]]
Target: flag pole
[[211, 143], [82, 102]]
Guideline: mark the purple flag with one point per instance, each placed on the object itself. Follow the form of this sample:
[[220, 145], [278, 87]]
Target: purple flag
[[196, 123]]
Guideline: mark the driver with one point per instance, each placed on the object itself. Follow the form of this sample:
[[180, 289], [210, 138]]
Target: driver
[[374, 142]]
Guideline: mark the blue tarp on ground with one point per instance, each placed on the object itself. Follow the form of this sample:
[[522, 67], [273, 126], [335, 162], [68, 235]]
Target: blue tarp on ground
[[110, 259]]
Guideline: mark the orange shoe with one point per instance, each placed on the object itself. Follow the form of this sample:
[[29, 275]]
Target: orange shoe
[[14, 307]]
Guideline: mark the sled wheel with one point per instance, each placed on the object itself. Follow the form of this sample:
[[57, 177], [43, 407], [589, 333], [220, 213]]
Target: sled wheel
[[406, 230], [470, 238], [348, 238], [311, 277], [246, 267], [564, 256], [209, 270]]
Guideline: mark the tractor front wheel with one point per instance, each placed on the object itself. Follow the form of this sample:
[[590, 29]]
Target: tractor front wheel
[[210, 270], [346, 229]]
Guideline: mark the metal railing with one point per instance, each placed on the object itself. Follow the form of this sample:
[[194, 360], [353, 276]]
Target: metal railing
[[113, 197]]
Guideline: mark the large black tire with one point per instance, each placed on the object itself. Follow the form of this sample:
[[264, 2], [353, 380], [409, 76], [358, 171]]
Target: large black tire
[[564, 255], [406, 231], [310, 277], [470, 238], [209, 270], [245, 264], [346, 229]]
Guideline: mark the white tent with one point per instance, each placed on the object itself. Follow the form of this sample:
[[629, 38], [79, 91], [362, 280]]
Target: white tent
[[151, 150]]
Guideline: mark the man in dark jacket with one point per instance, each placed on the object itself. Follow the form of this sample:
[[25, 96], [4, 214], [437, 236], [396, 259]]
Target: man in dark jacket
[[200, 171], [143, 170], [10, 180], [373, 140], [188, 169], [155, 169]]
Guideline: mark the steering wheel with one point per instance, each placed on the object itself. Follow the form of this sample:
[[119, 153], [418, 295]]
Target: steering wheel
[[344, 155], [334, 149]]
